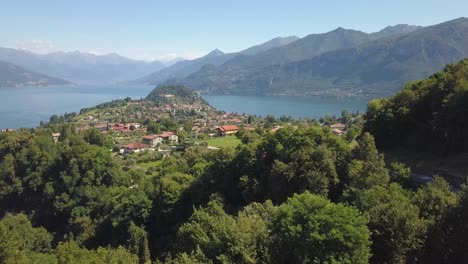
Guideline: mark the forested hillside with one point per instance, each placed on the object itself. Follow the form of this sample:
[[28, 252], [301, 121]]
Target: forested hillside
[[298, 195], [341, 62], [427, 115], [174, 94], [278, 51]]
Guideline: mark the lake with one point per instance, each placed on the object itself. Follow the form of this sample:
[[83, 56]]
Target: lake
[[295, 106], [27, 106]]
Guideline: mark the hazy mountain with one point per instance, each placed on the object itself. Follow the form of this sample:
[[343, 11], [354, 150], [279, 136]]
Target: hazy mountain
[[80, 67], [216, 57], [12, 75], [241, 66], [184, 68], [173, 61], [395, 30], [276, 42], [304, 48], [374, 68]]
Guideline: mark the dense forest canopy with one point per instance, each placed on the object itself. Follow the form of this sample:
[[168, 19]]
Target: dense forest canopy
[[299, 194], [427, 115]]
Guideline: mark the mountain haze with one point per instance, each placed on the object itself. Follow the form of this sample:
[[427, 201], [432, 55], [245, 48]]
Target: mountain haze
[[184, 68], [216, 57], [81, 67], [173, 61], [12, 75]]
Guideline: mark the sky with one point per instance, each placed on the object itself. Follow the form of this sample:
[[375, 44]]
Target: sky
[[163, 30]]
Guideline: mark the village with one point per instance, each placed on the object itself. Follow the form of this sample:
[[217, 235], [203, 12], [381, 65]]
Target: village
[[168, 122], [142, 125], [137, 126]]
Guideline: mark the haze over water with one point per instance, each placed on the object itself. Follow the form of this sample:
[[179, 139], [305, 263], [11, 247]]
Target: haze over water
[[27, 106]]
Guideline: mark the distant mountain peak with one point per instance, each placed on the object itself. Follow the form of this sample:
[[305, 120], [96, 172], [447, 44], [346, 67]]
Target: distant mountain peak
[[344, 31], [215, 52], [401, 27], [461, 18], [273, 43], [395, 30], [288, 37]]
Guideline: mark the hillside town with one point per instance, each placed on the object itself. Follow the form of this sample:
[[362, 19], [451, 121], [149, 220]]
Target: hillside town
[[169, 122]]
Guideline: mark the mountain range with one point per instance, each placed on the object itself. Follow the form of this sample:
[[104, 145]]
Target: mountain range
[[216, 57], [81, 67], [12, 75], [340, 62], [223, 73]]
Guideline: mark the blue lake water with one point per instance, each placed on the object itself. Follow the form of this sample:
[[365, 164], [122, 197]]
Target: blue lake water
[[27, 106], [295, 106]]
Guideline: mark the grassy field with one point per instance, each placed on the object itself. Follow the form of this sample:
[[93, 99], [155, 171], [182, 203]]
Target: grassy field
[[150, 164], [222, 142]]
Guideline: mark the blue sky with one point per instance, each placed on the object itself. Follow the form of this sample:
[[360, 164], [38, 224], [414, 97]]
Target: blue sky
[[151, 29]]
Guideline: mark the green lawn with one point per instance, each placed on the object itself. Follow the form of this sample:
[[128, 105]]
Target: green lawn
[[222, 142], [150, 164]]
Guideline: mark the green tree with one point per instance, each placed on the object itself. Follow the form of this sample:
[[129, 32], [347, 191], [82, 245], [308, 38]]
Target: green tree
[[226, 239], [70, 252], [346, 117], [397, 230], [152, 126], [400, 174], [22, 243], [95, 137], [250, 120], [196, 257], [138, 243], [9, 181], [366, 169], [435, 199], [310, 229], [448, 238], [187, 124]]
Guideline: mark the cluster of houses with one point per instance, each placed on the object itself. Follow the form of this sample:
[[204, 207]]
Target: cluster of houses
[[214, 121], [115, 127], [150, 142], [125, 128]]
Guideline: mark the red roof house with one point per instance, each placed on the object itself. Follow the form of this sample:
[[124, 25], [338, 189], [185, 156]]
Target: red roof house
[[227, 130]]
